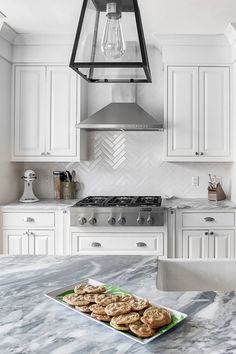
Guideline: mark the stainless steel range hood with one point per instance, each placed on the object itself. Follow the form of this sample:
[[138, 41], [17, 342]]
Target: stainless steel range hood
[[121, 116]]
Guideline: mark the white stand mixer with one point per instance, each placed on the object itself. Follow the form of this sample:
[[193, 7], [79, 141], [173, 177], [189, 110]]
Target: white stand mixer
[[28, 195]]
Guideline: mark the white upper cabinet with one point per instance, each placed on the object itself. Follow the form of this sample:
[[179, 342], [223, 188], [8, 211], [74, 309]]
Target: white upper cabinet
[[198, 114], [29, 111], [46, 109], [61, 111], [182, 111], [214, 116]]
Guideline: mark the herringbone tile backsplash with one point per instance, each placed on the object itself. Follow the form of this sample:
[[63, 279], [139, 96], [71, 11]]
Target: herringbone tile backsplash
[[130, 163]]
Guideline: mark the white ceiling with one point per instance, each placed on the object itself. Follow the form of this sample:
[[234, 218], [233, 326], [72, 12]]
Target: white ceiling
[[159, 16]]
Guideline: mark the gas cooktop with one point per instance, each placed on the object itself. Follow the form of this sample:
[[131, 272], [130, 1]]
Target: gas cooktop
[[118, 211], [122, 201]]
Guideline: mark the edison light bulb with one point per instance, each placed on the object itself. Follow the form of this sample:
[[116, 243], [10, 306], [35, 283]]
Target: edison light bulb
[[113, 44]]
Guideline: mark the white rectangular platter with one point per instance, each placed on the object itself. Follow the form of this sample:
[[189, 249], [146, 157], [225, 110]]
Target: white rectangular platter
[[57, 295]]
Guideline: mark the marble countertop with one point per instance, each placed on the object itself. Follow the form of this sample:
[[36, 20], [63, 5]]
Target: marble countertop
[[197, 204], [173, 203], [41, 205], [32, 323]]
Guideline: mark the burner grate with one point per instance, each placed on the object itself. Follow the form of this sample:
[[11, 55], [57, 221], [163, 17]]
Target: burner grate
[[121, 201]]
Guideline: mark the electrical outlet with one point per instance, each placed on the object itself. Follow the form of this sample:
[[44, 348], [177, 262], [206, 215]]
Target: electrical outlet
[[195, 181]]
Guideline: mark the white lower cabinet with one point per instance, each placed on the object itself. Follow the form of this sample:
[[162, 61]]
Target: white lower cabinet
[[33, 242], [195, 244], [208, 244], [221, 244], [118, 243], [41, 242], [15, 242]]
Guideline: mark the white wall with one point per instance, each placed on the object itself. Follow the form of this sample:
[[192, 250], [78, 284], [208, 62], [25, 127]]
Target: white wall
[[9, 172]]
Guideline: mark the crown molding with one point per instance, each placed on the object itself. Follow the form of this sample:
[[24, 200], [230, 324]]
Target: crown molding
[[44, 39]]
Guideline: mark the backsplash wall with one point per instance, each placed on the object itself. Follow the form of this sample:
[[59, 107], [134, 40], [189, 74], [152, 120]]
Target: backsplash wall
[[130, 163]]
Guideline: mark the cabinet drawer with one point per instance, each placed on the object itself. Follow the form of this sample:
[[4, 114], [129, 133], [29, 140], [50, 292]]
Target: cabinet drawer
[[208, 219], [28, 220], [120, 244]]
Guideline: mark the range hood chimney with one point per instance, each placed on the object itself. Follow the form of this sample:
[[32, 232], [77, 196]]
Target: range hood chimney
[[122, 114]]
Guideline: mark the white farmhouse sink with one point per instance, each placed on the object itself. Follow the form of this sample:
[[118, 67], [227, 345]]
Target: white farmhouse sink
[[196, 275]]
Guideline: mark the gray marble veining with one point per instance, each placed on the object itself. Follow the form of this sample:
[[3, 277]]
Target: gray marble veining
[[198, 204], [32, 323]]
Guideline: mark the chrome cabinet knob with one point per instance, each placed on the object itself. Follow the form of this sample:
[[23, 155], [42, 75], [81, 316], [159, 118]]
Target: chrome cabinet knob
[[82, 221], [140, 221], [95, 244], [206, 233], [111, 221], [43, 153], [211, 233], [92, 221], [150, 220], [48, 153], [202, 154], [141, 244], [122, 220], [196, 153]]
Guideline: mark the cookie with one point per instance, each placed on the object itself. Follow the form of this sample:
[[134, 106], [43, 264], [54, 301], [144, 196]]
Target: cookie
[[90, 289], [118, 308], [140, 304], [104, 318], [156, 318], [85, 309], [79, 288], [123, 327], [75, 300], [142, 331], [105, 300], [98, 309], [90, 297], [127, 318], [125, 297]]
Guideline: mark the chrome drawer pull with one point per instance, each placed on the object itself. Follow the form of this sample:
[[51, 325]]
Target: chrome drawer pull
[[28, 219], [95, 244], [209, 219], [141, 244]]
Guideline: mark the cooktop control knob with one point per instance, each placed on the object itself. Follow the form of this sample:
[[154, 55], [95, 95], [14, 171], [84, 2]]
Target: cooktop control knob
[[111, 220], [92, 221], [82, 221], [121, 220], [140, 221], [150, 220]]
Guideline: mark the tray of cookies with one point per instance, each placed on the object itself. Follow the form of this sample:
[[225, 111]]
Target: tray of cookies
[[119, 310]]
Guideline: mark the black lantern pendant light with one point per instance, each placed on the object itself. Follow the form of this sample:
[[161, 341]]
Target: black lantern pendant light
[[109, 44]]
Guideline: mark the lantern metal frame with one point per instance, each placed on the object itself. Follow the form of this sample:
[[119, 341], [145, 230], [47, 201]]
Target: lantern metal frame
[[144, 64]]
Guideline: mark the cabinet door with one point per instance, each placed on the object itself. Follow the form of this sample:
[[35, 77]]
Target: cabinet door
[[221, 244], [29, 111], [15, 242], [195, 244], [41, 242], [182, 111], [61, 111], [214, 113]]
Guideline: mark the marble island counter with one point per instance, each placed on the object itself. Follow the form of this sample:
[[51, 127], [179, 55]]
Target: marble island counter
[[32, 323]]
